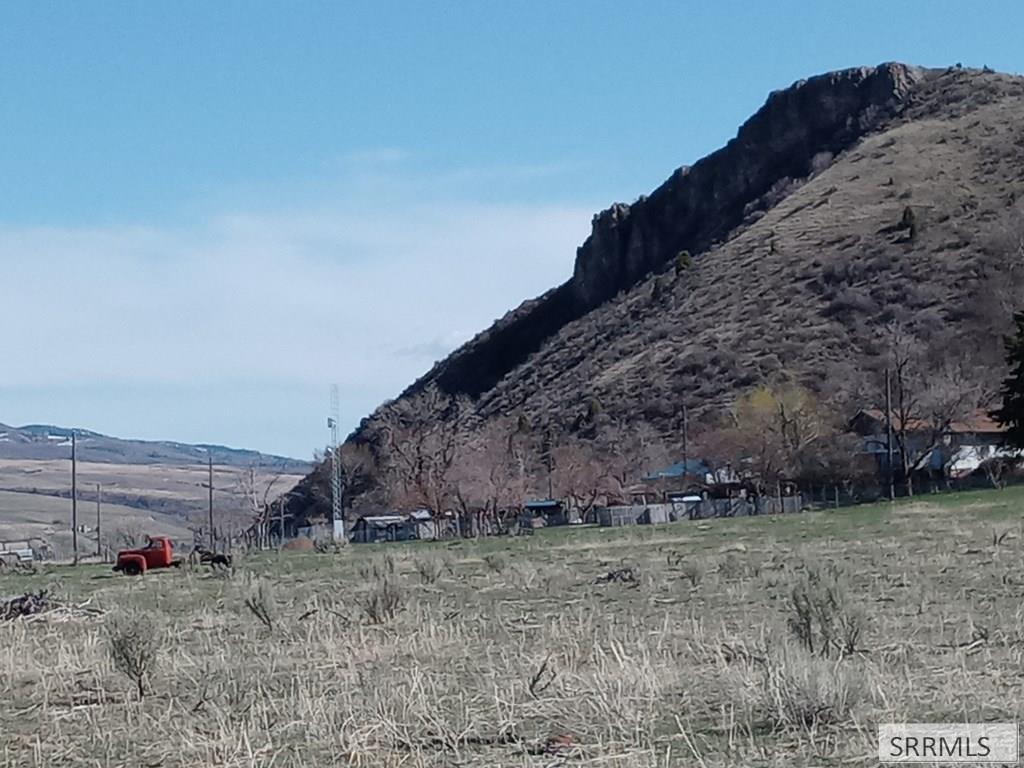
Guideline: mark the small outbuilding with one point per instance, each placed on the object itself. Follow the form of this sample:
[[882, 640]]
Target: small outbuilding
[[425, 525], [552, 511], [396, 526], [371, 529]]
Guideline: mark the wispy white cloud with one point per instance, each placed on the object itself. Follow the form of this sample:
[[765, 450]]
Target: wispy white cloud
[[366, 286]]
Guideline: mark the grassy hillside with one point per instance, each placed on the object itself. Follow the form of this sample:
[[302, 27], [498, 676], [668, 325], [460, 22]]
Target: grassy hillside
[[521, 652]]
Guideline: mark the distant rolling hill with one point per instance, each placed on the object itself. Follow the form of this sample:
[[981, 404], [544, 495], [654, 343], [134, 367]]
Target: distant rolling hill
[[44, 441], [147, 486]]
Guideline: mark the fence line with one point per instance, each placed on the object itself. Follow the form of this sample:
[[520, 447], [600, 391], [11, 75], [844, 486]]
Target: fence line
[[814, 497], [654, 514]]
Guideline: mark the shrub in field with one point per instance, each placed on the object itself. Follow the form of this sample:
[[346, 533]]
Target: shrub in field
[[822, 617], [795, 689], [429, 568], [378, 567], [496, 561], [693, 571], [133, 641], [262, 604], [385, 600], [732, 567]]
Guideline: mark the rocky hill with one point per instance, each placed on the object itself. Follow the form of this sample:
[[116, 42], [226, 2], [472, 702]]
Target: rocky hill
[[847, 201]]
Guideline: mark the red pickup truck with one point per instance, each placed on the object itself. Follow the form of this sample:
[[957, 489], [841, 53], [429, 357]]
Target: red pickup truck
[[158, 553]]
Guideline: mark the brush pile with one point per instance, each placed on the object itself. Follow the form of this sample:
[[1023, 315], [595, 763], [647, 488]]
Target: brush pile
[[38, 605], [29, 604]]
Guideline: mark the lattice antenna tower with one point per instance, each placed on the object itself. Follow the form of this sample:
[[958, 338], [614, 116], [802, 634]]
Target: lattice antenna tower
[[337, 514]]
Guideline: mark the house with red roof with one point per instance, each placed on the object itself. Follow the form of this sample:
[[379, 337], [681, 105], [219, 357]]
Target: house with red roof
[[956, 449]]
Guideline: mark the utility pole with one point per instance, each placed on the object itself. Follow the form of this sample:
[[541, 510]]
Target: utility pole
[[888, 434], [74, 496], [280, 523], [686, 440], [209, 485], [549, 462], [99, 537]]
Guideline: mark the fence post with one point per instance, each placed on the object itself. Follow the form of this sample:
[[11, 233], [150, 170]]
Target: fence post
[[836, 489]]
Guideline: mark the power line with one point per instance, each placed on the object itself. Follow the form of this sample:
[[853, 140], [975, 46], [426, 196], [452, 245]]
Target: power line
[[99, 535], [209, 485], [686, 441], [888, 434]]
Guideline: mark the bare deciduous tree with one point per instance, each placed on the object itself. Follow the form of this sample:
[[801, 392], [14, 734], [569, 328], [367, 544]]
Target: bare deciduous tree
[[492, 477], [777, 433], [579, 475], [927, 399], [256, 490], [629, 453], [418, 439], [780, 428], [356, 470]]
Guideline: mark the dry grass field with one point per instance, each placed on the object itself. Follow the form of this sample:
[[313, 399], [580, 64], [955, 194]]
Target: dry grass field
[[25, 515], [138, 498], [674, 645]]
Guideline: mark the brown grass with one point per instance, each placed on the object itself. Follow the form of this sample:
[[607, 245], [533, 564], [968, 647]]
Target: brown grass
[[138, 499], [535, 664]]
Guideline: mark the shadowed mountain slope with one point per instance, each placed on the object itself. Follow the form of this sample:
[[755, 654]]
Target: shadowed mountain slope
[[848, 201]]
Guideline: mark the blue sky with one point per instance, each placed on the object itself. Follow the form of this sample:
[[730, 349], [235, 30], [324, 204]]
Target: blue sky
[[211, 211]]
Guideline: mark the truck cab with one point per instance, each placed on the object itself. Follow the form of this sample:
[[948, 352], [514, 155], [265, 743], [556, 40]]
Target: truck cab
[[158, 553]]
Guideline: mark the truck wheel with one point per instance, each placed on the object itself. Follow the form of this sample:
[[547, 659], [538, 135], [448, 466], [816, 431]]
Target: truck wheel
[[131, 569]]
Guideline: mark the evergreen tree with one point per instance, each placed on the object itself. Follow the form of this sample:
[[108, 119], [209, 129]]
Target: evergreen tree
[[1011, 414]]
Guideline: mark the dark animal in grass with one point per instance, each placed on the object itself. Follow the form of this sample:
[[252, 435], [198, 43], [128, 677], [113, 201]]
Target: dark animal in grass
[[202, 556]]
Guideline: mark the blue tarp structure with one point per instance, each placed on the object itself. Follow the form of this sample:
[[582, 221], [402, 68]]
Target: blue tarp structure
[[542, 505], [693, 467]]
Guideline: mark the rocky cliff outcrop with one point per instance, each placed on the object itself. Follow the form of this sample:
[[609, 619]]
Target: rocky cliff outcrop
[[798, 129]]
